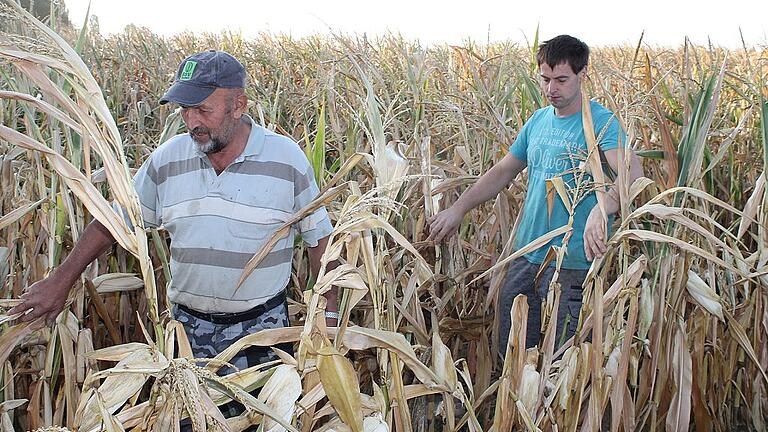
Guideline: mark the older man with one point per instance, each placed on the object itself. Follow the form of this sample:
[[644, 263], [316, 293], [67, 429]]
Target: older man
[[220, 191]]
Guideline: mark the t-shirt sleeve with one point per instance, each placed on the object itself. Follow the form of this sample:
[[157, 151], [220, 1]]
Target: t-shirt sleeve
[[146, 189], [317, 224], [519, 148], [609, 133], [145, 182]]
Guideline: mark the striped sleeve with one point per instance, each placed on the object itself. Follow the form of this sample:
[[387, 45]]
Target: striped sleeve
[[317, 224], [145, 182]]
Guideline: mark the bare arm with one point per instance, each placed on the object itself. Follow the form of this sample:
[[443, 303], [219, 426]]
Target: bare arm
[[315, 254], [595, 229], [445, 223], [46, 297]]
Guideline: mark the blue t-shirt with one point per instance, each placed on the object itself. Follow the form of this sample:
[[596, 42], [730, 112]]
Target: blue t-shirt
[[552, 146]]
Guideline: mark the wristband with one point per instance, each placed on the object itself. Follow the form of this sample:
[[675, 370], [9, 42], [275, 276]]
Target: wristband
[[333, 315]]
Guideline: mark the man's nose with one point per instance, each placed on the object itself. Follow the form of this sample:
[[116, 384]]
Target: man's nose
[[191, 118], [551, 87]]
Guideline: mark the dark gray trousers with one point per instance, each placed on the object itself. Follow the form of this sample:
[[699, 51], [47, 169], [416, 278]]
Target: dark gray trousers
[[520, 280]]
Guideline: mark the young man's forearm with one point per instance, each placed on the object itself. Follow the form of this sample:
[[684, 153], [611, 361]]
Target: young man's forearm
[[612, 196], [488, 186]]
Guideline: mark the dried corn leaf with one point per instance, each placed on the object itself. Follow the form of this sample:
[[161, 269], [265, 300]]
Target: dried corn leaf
[[117, 353], [679, 415], [700, 194], [116, 389], [18, 213], [375, 423], [84, 189], [533, 245], [280, 393], [530, 425], [751, 207], [528, 391], [283, 231], [737, 330], [557, 184], [638, 186], [341, 385], [6, 425], [109, 423], [644, 235], [247, 379], [13, 335], [442, 363], [704, 296], [117, 282], [361, 338], [249, 401]]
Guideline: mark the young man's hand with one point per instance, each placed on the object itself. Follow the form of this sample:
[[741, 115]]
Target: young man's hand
[[594, 235], [444, 224]]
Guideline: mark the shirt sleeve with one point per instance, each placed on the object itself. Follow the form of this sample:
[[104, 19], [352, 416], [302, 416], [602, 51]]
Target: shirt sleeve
[[317, 224], [146, 189], [609, 133], [145, 182], [519, 148]]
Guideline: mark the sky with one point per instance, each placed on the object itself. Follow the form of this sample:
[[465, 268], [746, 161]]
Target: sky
[[598, 22]]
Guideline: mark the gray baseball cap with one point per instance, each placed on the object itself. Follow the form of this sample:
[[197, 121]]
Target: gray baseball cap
[[200, 74]]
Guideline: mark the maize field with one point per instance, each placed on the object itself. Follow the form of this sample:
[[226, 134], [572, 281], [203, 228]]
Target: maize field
[[673, 333]]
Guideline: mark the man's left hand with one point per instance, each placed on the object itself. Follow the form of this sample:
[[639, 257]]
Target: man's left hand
[[594, 235]]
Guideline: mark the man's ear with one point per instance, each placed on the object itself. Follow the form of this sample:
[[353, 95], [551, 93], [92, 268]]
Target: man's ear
[[583, 73], [241, 105]]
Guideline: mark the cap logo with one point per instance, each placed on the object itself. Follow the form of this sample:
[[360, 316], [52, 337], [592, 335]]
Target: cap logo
[[189, 68]]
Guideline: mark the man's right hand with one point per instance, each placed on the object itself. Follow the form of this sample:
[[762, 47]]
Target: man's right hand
[[46, 298], [445, 223]]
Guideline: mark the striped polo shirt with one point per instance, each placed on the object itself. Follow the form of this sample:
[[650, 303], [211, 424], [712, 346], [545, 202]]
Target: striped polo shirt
[[218, 222]]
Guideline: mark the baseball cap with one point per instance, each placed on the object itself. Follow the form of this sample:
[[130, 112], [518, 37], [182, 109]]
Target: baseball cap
[[200, 74]]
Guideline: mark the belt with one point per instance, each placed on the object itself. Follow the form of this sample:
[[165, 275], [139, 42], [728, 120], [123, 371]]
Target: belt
[[236, 317]]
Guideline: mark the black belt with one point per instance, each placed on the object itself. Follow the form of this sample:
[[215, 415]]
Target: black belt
[[236, 317]]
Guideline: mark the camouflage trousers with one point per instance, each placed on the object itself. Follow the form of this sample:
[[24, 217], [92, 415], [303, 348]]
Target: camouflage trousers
[[521, 274], [209, 339]]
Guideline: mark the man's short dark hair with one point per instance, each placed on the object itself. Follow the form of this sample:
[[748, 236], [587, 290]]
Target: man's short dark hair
[[564, 49]]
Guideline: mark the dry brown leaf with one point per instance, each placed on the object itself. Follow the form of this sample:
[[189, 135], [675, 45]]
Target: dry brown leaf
[[679, 415], [117, 282], [18, 213], [750, 208], [280, 393], [703, 295], [117, 353], [340, 383], [442, 363], [117, 388]]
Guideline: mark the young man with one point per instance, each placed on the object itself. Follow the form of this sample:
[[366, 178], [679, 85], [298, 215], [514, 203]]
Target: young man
[[550, 144], [220, 191]]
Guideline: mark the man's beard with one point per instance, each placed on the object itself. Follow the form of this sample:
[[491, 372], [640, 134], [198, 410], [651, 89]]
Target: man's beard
[[214, 144]]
